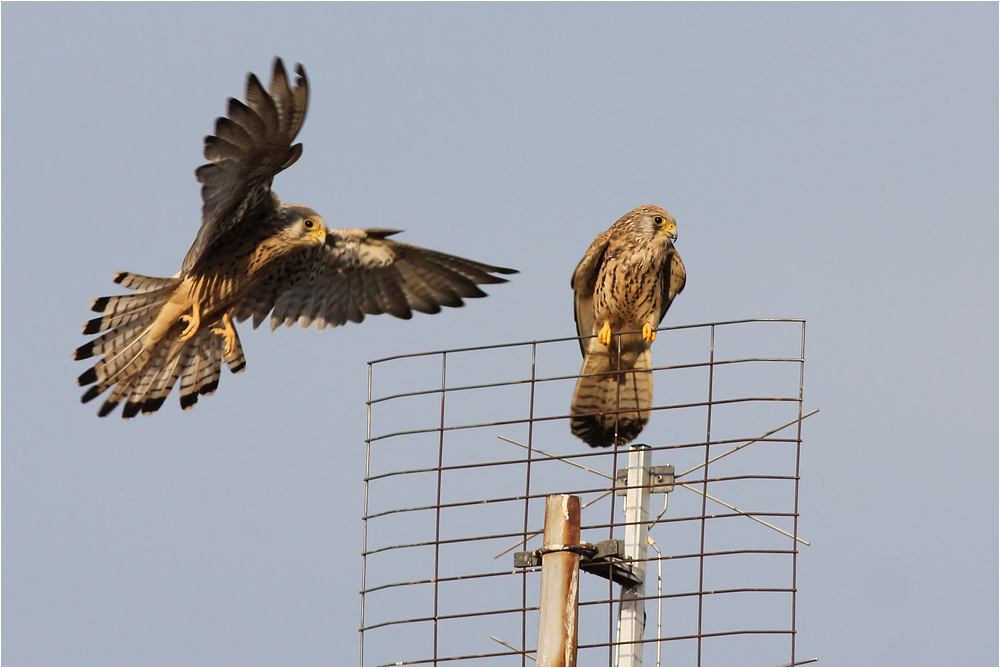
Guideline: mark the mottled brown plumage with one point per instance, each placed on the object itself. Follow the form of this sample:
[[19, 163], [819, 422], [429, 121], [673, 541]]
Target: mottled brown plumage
[[254, 255], [625, 283]]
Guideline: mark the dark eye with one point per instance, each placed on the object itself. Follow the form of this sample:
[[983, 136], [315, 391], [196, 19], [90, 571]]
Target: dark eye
[[309, 223], [658, 220]]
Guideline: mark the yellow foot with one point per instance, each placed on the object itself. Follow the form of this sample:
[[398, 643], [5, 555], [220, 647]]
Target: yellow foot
[[228, 332], [193, 323], [604, 336], [648, 333]]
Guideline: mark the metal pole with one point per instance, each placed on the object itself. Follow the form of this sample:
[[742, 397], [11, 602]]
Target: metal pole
[[557, 606], [632, 614]]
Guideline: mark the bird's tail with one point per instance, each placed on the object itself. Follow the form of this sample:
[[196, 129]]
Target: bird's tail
[[140, 374], [614, 393]]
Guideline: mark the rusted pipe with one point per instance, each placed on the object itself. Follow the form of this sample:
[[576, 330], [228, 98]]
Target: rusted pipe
[[557, 607]]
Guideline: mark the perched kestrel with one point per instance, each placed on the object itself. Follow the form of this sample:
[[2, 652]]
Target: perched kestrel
[[625, 283], [254, 255]]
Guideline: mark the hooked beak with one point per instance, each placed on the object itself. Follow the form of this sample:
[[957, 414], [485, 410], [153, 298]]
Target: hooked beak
[[319, 237], [671, 231]]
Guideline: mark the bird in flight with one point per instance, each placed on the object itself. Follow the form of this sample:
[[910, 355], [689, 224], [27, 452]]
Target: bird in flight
[[622, 289], [255, 256]]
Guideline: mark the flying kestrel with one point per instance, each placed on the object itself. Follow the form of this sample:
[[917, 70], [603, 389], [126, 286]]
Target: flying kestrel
[[625, 283], [254, 255]]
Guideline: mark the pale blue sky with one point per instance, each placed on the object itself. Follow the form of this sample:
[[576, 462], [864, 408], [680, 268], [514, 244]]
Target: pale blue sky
[[836, 162]]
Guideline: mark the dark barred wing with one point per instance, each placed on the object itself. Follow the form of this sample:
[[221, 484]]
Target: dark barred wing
[[362, 272], [250, 145], [674, 279], [583, 283]]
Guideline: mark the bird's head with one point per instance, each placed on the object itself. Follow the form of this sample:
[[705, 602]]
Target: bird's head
[[303, 227], [655, 223]]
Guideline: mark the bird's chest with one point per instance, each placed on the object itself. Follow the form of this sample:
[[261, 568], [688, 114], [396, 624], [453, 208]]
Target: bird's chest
[[233, 268], [628, 292]]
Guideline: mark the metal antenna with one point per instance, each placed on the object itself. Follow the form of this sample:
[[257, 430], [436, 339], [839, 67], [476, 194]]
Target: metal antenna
[[444, 505]]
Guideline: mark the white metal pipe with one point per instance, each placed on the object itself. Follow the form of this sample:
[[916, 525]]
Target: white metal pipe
[[632, 613]]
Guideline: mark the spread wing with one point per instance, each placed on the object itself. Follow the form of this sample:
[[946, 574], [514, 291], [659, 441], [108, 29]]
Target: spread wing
[[250, 145], [674, 278], [583, 283], [362, 272]]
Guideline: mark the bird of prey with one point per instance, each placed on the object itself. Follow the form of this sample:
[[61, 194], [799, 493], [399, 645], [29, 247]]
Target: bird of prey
[[252, 256], [622, 288]]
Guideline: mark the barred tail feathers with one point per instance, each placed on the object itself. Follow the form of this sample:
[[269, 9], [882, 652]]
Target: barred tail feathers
[[200, 372], [613, 395], [197, 363], [143, 377]]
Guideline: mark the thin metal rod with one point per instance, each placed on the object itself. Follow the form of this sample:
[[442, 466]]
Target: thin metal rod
[[497, 574], [564, 458], [591, 646], [549, 379], [743, 513], [364, 523], [563, 416], [527, 503], [795, 522], [659, 586], [718, 634], [566, 461], [521, 497], [437, 513], [704, 498], [569, 457], [614, 624], [519, 651], [456, 541], [498, 346], [507, 611], [797, 420], [689, 594]]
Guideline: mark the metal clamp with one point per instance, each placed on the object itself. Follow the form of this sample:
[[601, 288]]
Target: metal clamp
[[582, 549], [604, 559], [532, 559], [661, 480]]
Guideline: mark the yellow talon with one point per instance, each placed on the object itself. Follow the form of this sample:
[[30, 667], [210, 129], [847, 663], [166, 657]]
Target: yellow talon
[[648, 333], [193, 321], [228, 332], [604, 336]]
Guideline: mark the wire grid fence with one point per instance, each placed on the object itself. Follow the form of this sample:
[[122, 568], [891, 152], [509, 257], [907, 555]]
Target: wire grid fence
[[464, 445]]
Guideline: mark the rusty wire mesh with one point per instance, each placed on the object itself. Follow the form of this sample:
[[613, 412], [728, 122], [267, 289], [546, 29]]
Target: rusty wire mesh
[[464, 445]]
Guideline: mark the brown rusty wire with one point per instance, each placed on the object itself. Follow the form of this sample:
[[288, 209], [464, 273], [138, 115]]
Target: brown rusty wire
[[483, 609]]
